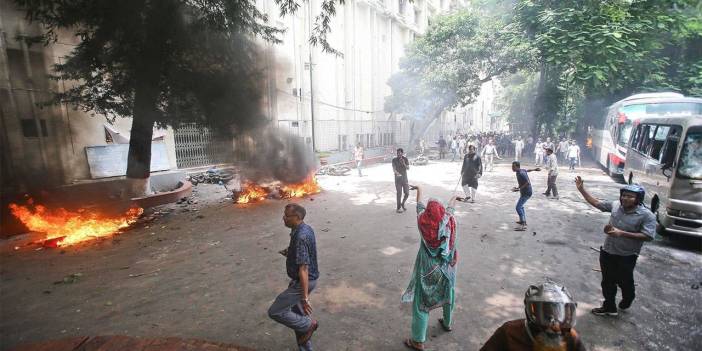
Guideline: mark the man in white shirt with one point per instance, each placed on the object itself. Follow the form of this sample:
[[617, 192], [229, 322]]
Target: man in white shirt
[[538, 152], [573, 154], [490, 151], [454, 148], [358, 157], [518, 147], [462, 145], [552, 167], [562, 149]]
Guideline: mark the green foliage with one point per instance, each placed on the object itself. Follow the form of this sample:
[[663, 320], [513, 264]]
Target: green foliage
[[447, 66]]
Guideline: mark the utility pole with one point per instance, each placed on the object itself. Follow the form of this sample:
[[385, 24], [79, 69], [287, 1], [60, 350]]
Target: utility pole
[[309, 46]]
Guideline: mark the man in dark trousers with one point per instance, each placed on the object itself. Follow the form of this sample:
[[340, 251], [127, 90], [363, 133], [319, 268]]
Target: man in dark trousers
[[471, 170], [525, 192], [442, 147], [400, 165], [630, 225], [292, 307]]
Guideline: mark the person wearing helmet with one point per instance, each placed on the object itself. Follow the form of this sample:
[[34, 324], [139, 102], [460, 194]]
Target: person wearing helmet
[[630, 225], [549, 323]]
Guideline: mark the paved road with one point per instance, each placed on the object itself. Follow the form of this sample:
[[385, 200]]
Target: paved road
[[212, 273]]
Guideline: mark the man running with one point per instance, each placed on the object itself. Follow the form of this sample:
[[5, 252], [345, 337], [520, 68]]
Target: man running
[[490, 151], [400, 165], [630, 225], [525, 193], [471, 171]]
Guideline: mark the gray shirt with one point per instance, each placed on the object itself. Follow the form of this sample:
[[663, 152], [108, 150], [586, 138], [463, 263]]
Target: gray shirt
[[640, 220]]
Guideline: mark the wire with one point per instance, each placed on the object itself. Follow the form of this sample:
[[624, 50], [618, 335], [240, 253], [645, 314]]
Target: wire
[[328, 104]]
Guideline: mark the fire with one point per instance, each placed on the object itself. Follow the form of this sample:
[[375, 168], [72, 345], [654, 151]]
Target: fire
[[251, 192], [309, 186], [65, 228]]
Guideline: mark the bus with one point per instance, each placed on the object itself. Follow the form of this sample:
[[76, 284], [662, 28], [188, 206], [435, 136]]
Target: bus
[[610, 137], [664, 155]]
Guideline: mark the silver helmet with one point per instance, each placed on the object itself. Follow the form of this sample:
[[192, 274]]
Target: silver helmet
[[548, 303]]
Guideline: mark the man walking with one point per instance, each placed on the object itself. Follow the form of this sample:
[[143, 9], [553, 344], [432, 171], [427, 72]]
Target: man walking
[[490, 151], [573, 155], [454, 149], [358, 157], [525, 193], [552, 167], [471, 170], [538, 152], [630, 225], [400, 165], [292, 307], [562, 149]]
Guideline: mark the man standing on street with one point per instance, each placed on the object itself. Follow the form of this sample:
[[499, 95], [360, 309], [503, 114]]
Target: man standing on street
[[538, 152], [358, 157], [525, 193], [471, 170], [562, 149], [518, 147], [630, 225], [292, 307], [490, 151], [442, 147], [552, 167], [573, 155], [400, 165], [454, 148]]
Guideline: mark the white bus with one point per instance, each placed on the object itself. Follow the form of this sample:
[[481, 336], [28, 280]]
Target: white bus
[[609, 139], [665, 156]]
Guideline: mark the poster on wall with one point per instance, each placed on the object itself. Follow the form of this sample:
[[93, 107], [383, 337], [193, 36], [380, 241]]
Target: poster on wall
[[111, 160]]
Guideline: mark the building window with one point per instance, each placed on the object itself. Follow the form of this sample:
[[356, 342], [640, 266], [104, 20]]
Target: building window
[[343, 143], [401, 6], [29, 128]]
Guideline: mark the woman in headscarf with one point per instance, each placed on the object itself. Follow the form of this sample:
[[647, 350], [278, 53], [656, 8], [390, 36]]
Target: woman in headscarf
[[434, 274]]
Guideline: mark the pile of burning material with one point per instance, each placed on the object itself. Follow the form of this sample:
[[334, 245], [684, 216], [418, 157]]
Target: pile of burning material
[[334, 170], [65, 228], [253, 192], [211, 176], [420, 160]]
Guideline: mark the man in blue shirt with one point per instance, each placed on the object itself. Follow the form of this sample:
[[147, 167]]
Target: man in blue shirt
[[525, 193], [292, 307]]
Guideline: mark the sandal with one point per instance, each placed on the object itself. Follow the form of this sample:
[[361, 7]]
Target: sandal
[[448, 329], [418, 346]]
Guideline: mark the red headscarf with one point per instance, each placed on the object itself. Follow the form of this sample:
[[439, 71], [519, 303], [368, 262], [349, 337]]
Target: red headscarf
[[429, 222]]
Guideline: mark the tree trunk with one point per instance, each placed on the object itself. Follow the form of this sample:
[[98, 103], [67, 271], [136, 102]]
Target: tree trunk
[[422, 129], [146, 95]]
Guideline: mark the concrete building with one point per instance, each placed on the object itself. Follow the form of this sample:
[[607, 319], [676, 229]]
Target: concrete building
[[52, 145]]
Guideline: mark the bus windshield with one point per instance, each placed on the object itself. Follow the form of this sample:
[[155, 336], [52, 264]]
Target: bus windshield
[[690, 165], [625, 132]]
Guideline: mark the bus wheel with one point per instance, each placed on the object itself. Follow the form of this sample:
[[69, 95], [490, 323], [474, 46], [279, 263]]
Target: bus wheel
[[631, 178]]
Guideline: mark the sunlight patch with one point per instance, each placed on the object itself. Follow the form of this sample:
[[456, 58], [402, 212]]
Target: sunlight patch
[[390, 250]]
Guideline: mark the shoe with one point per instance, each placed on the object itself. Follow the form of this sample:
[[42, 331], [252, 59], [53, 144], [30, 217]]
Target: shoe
[[403, 208], [601, 311], [447, 329], [399, 210], [521, 228], [546, 194], [304, 338], [624, 304]]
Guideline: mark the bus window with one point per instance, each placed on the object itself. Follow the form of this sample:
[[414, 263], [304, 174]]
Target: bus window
[[691, 155], [658, 141], [646, 136], [624, 132], [635, 137]]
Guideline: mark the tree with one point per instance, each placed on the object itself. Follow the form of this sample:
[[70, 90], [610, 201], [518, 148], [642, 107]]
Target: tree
[[164, 62], [447, 66]]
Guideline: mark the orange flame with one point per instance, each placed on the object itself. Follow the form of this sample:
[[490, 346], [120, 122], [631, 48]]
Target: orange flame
[[251, 192], [65, 228], [309, 186]]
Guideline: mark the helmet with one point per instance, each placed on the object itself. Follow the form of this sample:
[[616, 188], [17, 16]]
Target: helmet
[[549, 302], [636, 189]]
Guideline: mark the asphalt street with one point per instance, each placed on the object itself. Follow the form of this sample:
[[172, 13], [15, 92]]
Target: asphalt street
[[210, 270]]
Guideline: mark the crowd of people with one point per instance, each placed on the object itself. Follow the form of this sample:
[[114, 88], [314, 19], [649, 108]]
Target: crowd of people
[[550, 310]]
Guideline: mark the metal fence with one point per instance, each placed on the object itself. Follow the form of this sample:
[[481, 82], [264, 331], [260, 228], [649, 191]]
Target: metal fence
[[196, 146], [343, 135]]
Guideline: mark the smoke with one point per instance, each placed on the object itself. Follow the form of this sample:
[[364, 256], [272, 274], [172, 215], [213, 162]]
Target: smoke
[[277, 155]]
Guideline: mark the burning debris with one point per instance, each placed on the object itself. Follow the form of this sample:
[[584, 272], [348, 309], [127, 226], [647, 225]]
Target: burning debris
[[64, 228], [252, 192]]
